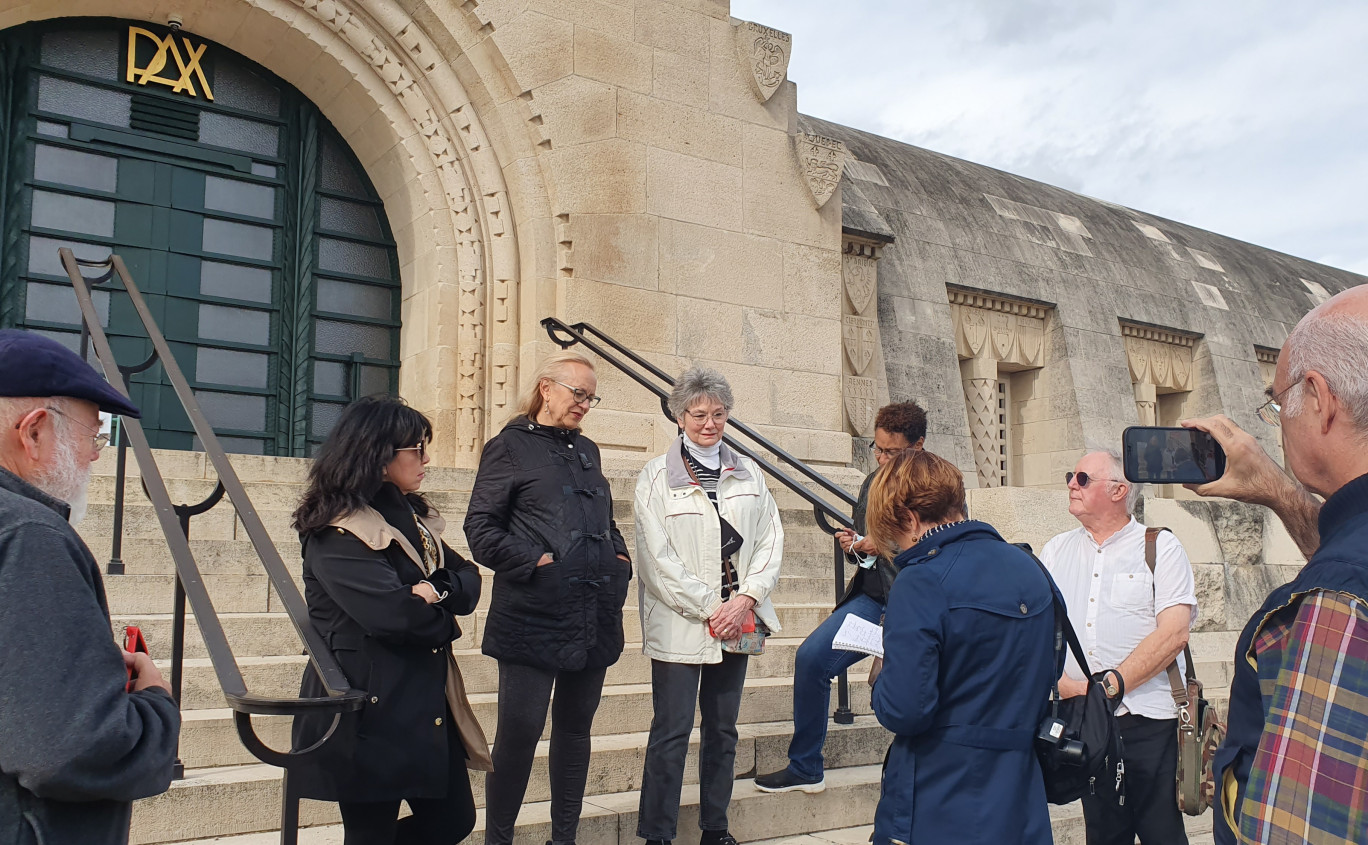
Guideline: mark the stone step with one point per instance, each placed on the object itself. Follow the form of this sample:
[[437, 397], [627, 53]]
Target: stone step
[[615, 766], [271, 634], [222, 802]]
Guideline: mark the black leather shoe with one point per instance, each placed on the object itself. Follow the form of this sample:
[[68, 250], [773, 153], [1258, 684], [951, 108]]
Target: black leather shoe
[[717, 837]]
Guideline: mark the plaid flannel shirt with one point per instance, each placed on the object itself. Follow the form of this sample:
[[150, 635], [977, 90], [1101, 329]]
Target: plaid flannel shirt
[[1309, 781]]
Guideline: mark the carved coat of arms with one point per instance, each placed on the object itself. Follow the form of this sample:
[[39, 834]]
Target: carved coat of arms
[[859, 274], [764, 52], [821, 161], [1160, 357], [860, 402], [974, 328], [1030, 331], [1001, 330], [861, 336]]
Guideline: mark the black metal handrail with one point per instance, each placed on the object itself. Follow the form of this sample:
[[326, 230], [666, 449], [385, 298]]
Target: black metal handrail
[[190, 586], [823, 511]]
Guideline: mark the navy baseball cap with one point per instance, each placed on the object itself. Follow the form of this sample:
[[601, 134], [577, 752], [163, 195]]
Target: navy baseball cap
[[36, 365]]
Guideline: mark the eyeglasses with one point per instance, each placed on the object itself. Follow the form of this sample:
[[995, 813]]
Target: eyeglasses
[[1271, 411], [1084, 479], [718, 418], [99, 438], [581, 397], [421, 449], [886, 453]]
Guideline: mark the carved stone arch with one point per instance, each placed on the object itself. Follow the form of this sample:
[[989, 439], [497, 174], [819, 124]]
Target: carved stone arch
[[403, 107]]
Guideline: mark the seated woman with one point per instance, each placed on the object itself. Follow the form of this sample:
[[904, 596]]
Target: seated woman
[[709, 545], [383, 590], [968, 665]]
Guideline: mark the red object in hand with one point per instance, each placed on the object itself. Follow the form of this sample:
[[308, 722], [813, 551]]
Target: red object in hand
[[134, 642], [747, 624]]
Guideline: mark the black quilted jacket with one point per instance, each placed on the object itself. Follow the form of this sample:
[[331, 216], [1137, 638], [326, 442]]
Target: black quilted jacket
[[541, 489]]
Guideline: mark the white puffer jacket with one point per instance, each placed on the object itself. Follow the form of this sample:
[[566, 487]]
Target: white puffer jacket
[[678, 552]]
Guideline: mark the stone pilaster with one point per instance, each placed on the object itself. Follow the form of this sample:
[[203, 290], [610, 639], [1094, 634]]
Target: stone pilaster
[[979, 376], [1145, 399]]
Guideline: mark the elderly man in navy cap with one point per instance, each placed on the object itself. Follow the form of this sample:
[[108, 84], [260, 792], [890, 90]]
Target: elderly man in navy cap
[[76, 746]]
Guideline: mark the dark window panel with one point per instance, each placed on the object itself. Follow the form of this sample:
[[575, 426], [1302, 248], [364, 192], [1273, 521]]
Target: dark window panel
[[334, 338], [325, 416], [229, 366], [57, 304], [53, 130], [375, 381], [236, 86], [338, 172], [330, 377], [62, 96], [353, 258], [235, 281], [233, 445], [76, 168], [237, 133], [350, 217], [236, 325], [43, 256], [259, 169], [92, 52], [240, 239], [233, 410], [357, 300], [245, 198], [73, 214]]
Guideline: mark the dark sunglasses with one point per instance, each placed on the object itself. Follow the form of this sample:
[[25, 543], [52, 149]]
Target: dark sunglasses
[[1083, 478]]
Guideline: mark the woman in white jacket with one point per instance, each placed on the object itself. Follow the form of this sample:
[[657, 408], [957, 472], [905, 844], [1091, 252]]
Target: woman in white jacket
[[709, 546]]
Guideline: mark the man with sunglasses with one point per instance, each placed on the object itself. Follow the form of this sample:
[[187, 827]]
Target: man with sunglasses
[[80, 742], [1135, 623], [1294, 766]]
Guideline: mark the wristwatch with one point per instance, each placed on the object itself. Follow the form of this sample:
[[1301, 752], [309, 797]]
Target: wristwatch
[[1109, 685]]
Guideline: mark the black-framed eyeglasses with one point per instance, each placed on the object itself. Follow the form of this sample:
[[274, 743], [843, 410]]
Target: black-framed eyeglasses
[[880, 452], [421, 449], [581, 397], [99, 438], [1271, 410], [1084, 479]]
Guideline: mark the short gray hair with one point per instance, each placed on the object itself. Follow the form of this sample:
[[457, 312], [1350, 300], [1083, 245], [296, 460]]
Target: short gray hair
[[696, 384], [1117, 466], [1336, 346]]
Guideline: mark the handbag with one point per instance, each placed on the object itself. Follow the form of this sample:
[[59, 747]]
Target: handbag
[[751, 640], [1079, 744], [1200, 730]]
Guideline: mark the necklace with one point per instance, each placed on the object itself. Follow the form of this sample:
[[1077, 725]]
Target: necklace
[[429, 546], [928, 532]]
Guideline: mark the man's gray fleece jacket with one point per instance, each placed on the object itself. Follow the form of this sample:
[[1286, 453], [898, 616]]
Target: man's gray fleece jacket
[[75, 748]]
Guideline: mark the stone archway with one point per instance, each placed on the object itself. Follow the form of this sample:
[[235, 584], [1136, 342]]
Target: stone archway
[[407, 113]]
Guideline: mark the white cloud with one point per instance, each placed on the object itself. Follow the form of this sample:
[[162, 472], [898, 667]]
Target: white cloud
[[1244, 117]]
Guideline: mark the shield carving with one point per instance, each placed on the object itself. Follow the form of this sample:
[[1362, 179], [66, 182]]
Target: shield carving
[[860, 404], [1160, 357], [1137, 355], [764, 53], [974, 327], [859, 273], [821, 161], [1182, 368], [1001, 330], [861, 335], [1029, 333]]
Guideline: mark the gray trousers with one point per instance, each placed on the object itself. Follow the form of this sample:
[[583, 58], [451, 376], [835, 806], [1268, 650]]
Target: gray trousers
[[674, 689]]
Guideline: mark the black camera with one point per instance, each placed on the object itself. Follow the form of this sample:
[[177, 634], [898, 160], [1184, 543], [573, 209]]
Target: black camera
[[1050, 737]]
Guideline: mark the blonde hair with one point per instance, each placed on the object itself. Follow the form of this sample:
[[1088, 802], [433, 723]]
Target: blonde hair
[[552, 369]]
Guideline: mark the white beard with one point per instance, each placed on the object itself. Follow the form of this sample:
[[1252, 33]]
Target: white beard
[[68, 479]]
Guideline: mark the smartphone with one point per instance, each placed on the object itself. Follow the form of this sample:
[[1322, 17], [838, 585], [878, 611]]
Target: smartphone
[[1155, 455]]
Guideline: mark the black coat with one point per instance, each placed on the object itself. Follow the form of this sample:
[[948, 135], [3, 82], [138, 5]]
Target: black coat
[[541, 489], [883, 569], [390, 643]]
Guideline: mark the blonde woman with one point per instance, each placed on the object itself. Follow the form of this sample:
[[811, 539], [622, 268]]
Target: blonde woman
[[541, 517]]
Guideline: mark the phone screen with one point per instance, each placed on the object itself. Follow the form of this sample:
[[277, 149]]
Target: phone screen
[[1155, 455]]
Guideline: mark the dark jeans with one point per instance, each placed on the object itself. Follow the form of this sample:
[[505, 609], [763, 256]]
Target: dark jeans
[[1150, 747], [524, 698], [674, 689], [435, 821], [815, 664]]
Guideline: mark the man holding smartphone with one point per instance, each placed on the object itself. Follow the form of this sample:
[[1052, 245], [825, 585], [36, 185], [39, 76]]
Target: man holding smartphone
[[1135, 623], [1294, 766]]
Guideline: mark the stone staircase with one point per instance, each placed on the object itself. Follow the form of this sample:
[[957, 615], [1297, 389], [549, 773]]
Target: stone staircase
[[228, 796]]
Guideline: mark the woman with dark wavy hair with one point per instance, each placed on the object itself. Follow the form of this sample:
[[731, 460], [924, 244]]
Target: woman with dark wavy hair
[[383, 591]]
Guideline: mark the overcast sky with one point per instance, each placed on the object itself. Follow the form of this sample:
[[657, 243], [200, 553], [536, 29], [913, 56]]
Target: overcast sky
[[1243, 117]]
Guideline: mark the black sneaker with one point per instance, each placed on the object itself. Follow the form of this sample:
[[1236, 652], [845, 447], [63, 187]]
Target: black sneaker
[[717, 837], [785, 780], [657, 842]]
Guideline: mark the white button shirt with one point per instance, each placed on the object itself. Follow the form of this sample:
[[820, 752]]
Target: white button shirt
[[1113, 601]]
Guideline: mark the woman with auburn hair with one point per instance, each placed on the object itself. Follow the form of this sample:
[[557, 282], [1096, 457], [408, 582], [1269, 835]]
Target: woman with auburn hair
[[541, 517], [968, 665]]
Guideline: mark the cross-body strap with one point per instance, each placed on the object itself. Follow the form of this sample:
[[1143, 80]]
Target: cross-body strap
[[1064, 631], [1177, 688]]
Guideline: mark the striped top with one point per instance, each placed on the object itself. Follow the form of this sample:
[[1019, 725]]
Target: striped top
[[707, 479]]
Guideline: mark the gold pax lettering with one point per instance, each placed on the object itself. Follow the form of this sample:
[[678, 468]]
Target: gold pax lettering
[[189, 68]]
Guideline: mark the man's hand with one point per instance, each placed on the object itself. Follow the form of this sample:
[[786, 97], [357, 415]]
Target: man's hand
[[1070, 688], [145, 672], [846, 537], [726, 622], [1252, 476], [875, 668]]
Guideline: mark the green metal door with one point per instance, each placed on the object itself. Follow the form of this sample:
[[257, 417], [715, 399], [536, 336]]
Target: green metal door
[[260, 245]]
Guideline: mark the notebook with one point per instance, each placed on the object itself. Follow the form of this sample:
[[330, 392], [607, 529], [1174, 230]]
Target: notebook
[[859, 635]]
